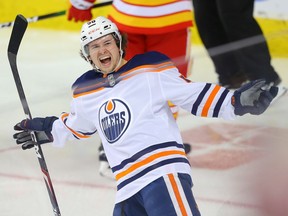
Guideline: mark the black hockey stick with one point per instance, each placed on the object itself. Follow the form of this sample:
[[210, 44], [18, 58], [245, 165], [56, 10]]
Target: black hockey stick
[[51, 15], [18, 31]]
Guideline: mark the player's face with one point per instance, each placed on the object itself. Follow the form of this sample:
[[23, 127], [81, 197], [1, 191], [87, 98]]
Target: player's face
[[104, 53]]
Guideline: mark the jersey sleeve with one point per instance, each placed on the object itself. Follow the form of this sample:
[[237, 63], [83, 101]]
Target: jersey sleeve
[[198, 98], [73, 125]]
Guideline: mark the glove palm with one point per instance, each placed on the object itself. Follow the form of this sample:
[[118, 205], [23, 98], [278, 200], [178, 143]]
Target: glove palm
[[253, 97]]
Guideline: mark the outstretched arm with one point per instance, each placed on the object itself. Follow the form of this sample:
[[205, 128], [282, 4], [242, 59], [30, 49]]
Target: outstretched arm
[[211, 100], [69, 126]]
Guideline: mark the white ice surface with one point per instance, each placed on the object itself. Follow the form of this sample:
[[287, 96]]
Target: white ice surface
[[48, 64]]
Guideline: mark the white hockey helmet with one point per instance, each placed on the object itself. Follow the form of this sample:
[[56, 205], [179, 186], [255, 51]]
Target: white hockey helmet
[[95, 29]]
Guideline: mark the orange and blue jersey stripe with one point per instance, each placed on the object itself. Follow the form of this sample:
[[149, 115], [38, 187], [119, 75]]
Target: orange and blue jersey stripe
[[213, 96], [148, 160], [93, 81], [76, 134]]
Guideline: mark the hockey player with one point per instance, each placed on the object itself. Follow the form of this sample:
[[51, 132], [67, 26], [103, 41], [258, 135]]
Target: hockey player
[[149, 26], [126, 102]]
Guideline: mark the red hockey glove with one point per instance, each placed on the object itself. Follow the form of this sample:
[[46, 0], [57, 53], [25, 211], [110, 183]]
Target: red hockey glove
[[80, 10]]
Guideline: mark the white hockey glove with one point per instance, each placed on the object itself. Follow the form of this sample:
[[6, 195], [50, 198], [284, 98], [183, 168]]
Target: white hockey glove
[[253, 97], [42, 128]]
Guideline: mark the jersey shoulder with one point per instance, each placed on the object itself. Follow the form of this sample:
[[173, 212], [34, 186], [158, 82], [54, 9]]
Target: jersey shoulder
[[149, 58], [85, 78], [152, 57]]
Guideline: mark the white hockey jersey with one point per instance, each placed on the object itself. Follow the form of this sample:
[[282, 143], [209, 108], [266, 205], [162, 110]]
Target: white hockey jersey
[[129, 110]]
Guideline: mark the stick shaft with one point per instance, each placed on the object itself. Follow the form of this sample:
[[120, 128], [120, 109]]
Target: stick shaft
[[17, 34]]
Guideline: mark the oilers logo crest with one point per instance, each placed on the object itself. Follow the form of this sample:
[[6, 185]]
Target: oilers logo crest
[[114, 117]]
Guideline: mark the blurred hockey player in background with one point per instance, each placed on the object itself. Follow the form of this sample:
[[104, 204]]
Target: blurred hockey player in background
[[232, 24], [126, 103], [150, 26]]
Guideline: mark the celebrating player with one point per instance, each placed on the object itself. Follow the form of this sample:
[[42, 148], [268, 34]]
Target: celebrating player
[[149, 26], [126, 103]]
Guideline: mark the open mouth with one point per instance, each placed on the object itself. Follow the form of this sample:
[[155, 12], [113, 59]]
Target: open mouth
[[105, 60]]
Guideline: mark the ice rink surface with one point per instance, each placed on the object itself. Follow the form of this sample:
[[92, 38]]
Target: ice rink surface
[[233, 162]]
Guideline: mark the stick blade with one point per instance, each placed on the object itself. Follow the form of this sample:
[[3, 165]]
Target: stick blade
[[19, 28]]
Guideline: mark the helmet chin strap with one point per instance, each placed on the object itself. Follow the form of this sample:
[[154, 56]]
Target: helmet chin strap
[[119, 62]]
